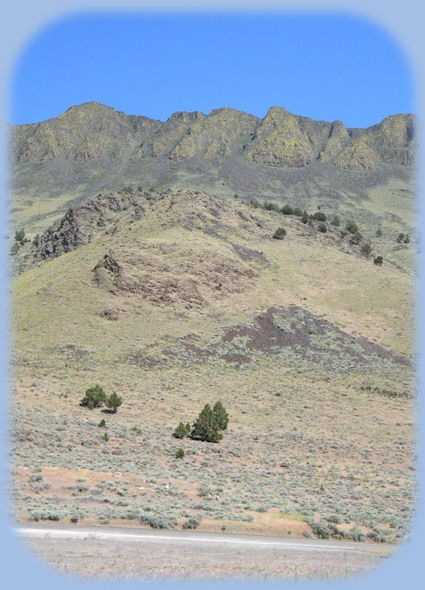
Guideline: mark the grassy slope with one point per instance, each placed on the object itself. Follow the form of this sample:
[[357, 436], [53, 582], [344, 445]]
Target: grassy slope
[[348, 450]]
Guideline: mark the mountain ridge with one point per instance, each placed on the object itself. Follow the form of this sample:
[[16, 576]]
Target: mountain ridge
[[93, 131]]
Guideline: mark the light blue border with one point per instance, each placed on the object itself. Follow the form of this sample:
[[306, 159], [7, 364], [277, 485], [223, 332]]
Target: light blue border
[[21, 19]]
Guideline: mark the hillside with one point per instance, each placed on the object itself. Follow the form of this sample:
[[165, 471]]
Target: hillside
[[175, 295]]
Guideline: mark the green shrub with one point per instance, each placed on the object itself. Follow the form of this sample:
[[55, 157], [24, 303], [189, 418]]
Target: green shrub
[[271, 206], [20, 236], [406, 239], [319, 216], [305, 217], [105, 437], [102, 423], [287, 210], [280, 233], [379, 232], [298, 212], [94, 398], [351, 227], [366, 249], [255, 203], [400, 238], [322, 228], [182, 430], [378, 260], [336, 221], [179, 454], [356, 238]]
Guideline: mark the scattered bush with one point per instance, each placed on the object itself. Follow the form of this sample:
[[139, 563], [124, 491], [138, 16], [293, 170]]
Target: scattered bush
[[102, 423], [55, 515], [322, 228], [354, 534], [400, 238], [321, 529], [105, 437], [179, 454], [336, 221], [378, 260], [351, 227], [366, 249], [156, 521], [192, 523], [319, 216], [356, 238], [20, 237], [298, 212], [280, 233], [271, 206], [379, 232], [305, 217]]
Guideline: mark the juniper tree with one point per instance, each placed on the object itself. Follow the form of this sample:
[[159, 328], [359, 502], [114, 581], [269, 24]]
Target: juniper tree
[[205, 427], [94, 397], [113, 402], [220, 415]]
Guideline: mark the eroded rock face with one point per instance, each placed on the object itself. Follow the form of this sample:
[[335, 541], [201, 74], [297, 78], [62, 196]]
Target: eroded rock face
[[164, 276], [81, 223]]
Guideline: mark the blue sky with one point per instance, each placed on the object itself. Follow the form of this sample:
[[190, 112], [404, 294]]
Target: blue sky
[[323, 66]]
